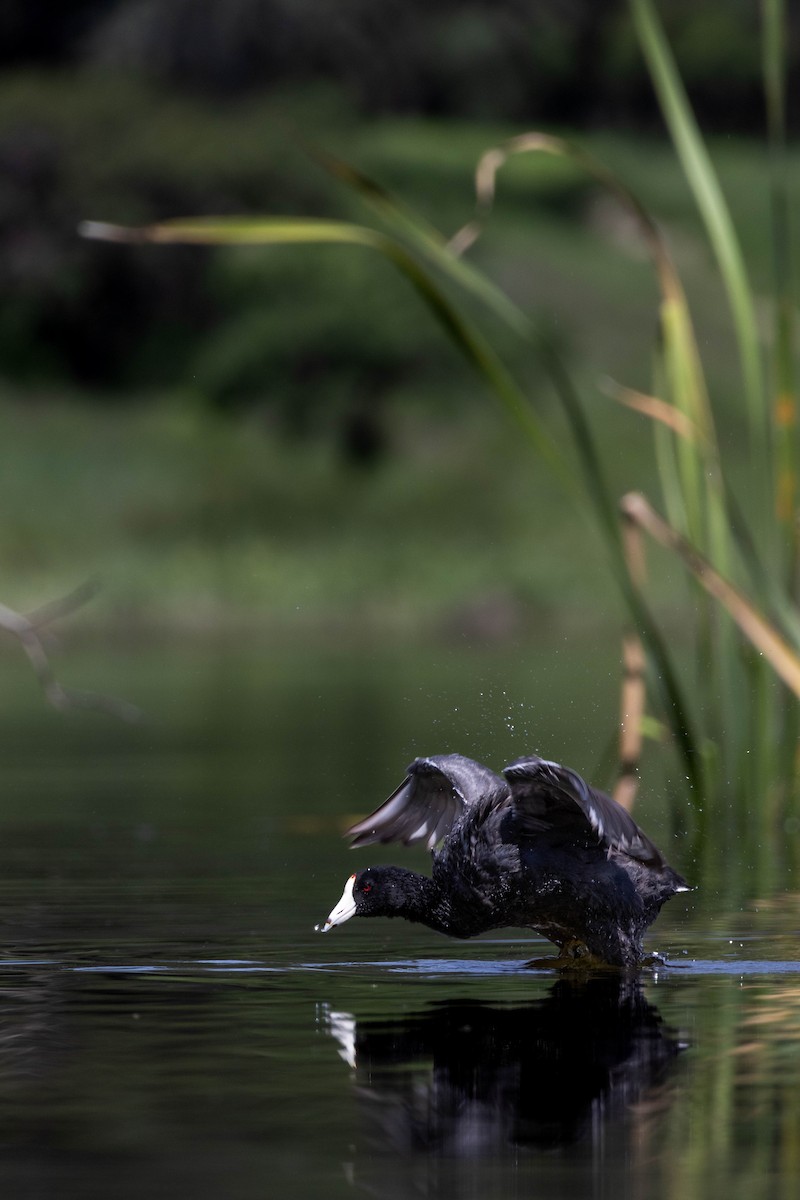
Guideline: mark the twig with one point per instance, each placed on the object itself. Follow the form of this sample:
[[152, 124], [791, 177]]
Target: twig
[[65, 605], [26, 631]]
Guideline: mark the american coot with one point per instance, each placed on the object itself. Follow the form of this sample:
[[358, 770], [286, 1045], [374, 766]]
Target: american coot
[[538, 848]]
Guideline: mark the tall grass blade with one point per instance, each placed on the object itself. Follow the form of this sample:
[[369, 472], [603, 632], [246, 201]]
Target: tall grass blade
[[713, 208], [655, 408], [673, 697], [496, 157], [480, 355], [702, 488], [426, 238], [669, 418], [702, 483], [784, 382], [271, 231], [447, 257], [756, 628], [432, 244]]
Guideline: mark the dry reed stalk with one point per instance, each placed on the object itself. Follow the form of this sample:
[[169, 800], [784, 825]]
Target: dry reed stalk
[[633, 696]]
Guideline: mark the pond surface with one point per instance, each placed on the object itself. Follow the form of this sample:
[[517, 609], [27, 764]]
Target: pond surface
[[170, 1024]]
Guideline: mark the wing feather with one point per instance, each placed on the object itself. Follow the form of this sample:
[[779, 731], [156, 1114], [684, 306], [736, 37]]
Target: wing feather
[[435, 793], [547, 795]]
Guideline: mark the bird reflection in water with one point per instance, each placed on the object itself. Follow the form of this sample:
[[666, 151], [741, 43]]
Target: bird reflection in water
[[469, 1078]]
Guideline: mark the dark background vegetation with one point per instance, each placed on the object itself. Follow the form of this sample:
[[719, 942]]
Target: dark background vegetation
[[136, 110]]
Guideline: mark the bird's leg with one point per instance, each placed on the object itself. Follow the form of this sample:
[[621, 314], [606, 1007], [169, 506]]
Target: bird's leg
[[656, 960], [572, 954], [575, 955]]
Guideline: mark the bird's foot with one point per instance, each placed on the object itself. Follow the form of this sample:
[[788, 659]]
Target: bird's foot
[[655, 960], [572, 956]]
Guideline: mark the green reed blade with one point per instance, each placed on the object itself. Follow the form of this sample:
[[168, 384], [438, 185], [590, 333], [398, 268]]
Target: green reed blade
[[270, 231], [714, 210], [429, 240], [784, 383], [480, 355], [763, 635], [700, 465], [783, 369]]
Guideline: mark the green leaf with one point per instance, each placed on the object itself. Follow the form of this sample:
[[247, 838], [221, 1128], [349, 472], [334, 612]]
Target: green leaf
[[276, 231], [713, 208]]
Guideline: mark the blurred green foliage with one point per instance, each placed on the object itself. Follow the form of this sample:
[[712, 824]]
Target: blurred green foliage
[[195, 514], [555, 60], [328, 353], [271, 330], [201, 523], [74, 145], [139, 111], [318, 340]]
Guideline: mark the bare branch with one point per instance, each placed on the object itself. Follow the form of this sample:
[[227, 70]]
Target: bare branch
[[65, 605], [26, 631]]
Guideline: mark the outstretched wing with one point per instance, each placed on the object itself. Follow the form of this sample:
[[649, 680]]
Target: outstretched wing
[[434, 794], [548, 796]]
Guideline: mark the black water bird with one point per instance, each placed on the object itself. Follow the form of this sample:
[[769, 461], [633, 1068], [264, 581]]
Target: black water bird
[[538, 848]]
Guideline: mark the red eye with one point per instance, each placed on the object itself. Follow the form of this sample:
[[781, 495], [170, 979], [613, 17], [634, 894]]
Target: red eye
[[366, 888]]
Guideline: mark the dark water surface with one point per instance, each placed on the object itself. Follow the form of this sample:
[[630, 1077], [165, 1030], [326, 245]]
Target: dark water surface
[[170, 1024]]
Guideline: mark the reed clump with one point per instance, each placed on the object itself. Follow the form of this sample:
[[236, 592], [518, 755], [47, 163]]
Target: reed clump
[[731, 715]]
